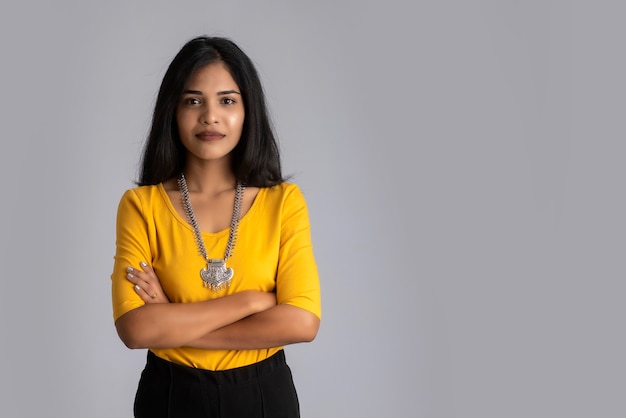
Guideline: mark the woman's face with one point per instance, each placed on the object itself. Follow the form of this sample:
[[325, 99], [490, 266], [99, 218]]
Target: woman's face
[[210, 114]]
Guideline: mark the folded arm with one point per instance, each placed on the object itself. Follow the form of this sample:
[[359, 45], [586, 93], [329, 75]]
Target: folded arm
[[168, 325], [274, 327]]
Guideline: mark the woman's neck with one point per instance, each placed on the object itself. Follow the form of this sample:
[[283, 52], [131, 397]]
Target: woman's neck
[[210, 177]]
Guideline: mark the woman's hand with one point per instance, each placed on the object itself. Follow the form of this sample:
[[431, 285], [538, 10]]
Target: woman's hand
[[147, 284]]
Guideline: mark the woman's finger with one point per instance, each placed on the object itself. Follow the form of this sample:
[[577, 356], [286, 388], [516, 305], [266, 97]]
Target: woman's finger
[[142, 287], [145, 267], [146, 274], [147, 284], [145, 294]]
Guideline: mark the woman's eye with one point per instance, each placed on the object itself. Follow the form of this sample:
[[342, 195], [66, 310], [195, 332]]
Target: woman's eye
[[228, 101], [192, 101]]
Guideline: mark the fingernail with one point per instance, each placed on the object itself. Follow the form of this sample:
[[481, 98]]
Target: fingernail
[[130, 275], [144, 264], [129, 269], [137, 287]]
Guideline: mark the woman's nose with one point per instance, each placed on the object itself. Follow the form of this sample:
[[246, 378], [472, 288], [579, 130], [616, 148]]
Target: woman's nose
[[209, 115]]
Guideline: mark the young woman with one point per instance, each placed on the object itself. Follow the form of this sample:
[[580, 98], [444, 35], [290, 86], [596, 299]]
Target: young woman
[[214, 269]]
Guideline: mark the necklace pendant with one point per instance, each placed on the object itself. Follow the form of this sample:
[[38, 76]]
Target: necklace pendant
[[216, 276]]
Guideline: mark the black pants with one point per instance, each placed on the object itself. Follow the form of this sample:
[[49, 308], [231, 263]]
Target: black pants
[[261, 390]]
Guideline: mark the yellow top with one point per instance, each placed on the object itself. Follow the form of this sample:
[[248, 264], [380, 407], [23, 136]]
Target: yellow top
[[273, 252]]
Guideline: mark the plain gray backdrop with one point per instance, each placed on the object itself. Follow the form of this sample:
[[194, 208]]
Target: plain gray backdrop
[[463, 162]]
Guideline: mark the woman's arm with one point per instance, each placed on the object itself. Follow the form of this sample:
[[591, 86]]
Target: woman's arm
[[160, 324], [167, 325], [274, 327], [214, 324]]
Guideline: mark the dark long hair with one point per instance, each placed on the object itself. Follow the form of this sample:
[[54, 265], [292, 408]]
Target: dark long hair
[[255, 160]]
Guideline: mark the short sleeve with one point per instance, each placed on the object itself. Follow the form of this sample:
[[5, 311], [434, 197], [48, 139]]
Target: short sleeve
[[297, 281], [131, 247]]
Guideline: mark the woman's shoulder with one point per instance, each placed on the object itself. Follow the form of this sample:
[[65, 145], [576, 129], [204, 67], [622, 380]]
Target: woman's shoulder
[[145, 195], [283, 190], [143, 191], [285, 194]]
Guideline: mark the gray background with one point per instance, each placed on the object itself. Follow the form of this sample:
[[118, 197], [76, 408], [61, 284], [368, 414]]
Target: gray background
[[463, 164]]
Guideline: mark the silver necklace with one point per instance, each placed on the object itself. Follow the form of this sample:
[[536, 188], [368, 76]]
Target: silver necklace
[[215, 276]]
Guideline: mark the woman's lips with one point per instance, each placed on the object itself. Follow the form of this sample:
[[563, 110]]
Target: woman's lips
[[210, 136]]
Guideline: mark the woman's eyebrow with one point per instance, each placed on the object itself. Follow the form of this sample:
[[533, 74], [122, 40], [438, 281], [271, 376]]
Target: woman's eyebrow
[[221, 93]]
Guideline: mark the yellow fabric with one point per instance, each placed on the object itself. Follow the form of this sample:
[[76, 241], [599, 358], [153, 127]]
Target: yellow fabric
[[273, 252]]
